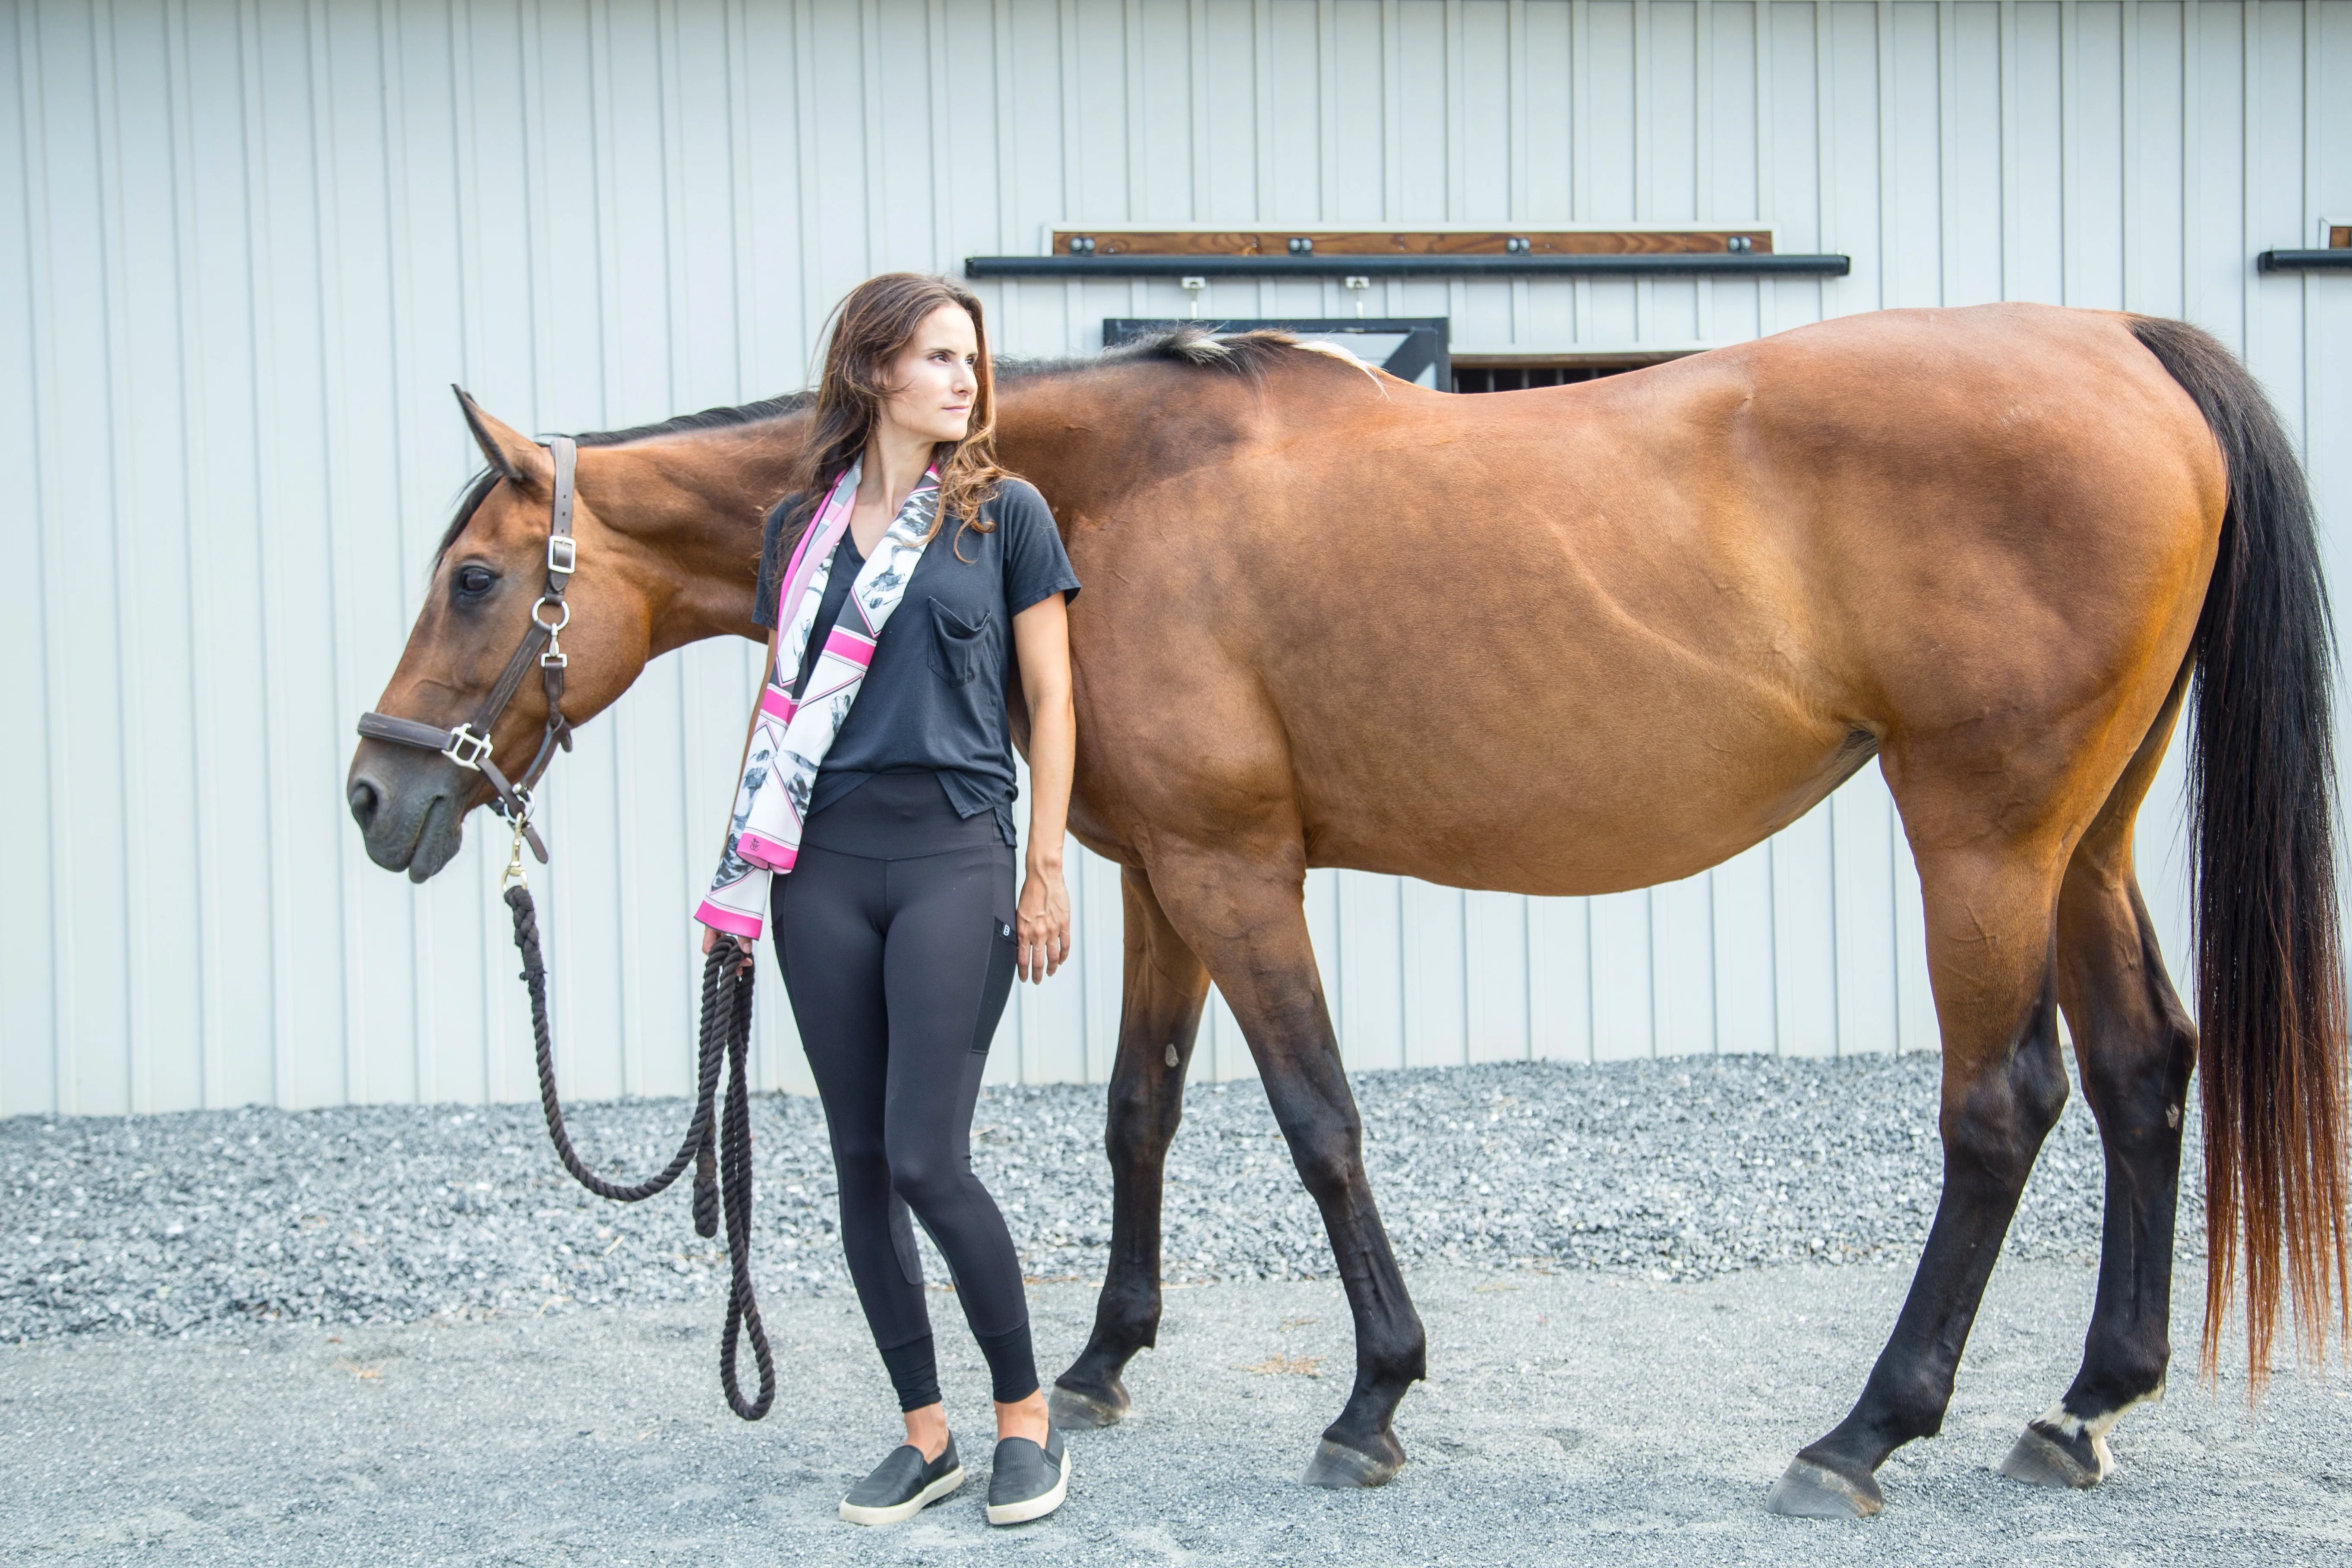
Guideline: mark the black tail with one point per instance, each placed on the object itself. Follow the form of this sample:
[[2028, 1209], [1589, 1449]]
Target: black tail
[[2262, 780]]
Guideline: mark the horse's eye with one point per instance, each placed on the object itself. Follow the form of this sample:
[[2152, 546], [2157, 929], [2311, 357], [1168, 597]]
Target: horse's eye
[[473, 582]]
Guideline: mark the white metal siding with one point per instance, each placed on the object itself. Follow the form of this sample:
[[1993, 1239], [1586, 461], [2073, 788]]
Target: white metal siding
[[245, 247]]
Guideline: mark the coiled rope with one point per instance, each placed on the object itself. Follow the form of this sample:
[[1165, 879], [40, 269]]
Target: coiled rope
[[719, 1147]]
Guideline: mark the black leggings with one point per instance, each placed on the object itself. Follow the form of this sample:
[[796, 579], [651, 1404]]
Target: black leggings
[[895, 930]]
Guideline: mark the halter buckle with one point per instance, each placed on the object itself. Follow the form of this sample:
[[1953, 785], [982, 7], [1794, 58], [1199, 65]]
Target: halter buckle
[[466, 748], [562, 554]]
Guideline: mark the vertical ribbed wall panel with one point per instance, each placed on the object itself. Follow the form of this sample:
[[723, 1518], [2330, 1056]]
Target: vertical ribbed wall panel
[[246, 244]]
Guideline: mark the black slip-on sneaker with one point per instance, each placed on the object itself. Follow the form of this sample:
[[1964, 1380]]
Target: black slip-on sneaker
[[1029, 1481], [903, 1485]]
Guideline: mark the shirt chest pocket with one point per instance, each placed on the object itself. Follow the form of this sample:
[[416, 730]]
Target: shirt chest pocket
[[957, 647]]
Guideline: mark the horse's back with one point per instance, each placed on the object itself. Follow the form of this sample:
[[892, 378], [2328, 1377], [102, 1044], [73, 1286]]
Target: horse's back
[[1602, 635]]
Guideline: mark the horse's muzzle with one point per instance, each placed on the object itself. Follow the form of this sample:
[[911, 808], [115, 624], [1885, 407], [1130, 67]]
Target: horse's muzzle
[[408, 809]]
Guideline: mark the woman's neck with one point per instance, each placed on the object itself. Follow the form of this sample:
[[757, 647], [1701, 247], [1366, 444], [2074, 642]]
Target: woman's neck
[[894, 464]]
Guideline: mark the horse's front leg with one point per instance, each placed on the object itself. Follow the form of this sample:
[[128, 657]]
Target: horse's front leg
[[1990, 921], [1159, 1019], [1242, 915]]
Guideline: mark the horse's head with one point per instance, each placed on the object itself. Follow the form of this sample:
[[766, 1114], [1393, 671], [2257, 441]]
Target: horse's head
[[667, 549]]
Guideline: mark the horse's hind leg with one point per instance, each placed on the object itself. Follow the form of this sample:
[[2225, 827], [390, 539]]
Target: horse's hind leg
[[2135, 1044], [1242, 912], [1160, 1017], [1991, 908]]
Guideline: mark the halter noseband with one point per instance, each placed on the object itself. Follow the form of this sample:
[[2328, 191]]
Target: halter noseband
[[468, 744]]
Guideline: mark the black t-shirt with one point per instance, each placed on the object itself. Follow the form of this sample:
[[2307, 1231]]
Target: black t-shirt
[[933, 699]]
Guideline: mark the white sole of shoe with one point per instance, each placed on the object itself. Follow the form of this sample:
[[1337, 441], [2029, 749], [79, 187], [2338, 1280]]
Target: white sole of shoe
[[908, 1509], [1038, 1507]]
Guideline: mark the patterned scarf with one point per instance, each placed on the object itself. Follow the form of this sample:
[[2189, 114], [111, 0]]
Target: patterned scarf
[[789, 737]]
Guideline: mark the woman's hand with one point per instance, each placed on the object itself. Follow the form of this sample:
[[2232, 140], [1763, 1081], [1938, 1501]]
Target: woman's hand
[[1042, 925], [711, 938]]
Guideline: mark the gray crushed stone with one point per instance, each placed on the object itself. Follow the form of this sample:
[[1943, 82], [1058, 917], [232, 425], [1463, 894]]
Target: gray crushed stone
[[1671, 1170]]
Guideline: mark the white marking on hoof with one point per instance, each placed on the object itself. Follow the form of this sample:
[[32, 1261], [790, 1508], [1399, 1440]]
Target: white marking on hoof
[[2059, 1419], [2039, 1460]]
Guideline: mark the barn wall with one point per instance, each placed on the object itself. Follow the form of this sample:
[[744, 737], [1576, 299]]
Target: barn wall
[[246, 246]]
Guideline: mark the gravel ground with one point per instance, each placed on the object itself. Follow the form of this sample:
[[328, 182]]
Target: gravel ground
[[392, 1336], [1570, 1418], [1666, 1171]]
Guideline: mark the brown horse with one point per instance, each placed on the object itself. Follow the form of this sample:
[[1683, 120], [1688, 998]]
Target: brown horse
[[1594, 637]]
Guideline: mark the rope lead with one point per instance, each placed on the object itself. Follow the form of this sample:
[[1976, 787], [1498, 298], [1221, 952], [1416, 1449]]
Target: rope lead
[[717, 1146]]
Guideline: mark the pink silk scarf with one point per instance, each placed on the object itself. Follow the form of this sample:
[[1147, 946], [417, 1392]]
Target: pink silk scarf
[[790, 736]]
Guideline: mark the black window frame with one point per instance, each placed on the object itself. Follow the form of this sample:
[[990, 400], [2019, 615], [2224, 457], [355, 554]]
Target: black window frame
[[1525, 372]]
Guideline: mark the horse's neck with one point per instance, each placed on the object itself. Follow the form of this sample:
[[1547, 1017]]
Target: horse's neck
[[1043, 434], [1057, 431], [696, 505]]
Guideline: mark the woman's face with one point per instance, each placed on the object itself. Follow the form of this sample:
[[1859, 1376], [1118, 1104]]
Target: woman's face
[[935, 378]]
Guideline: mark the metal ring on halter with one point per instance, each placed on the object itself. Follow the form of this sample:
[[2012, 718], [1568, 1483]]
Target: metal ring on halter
[[518, 812], [466, 748], [554, 655]]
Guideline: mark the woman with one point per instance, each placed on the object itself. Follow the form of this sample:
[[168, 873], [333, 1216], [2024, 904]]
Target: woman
[[873, 822]]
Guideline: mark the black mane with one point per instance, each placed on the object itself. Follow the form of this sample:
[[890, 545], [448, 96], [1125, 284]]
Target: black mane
[[1199, 344], [709, 419], [480, 486]]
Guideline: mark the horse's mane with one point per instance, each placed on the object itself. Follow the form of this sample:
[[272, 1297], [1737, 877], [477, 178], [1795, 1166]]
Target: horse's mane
[[1199, 345], [760, 413]]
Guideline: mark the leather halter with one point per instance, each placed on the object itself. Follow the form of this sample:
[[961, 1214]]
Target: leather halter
[[468, 744]]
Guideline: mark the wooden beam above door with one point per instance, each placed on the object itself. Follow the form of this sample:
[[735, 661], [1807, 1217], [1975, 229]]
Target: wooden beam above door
[[1272, 242]]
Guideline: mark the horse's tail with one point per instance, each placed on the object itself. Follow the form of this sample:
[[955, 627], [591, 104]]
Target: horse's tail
[[2270, 979]]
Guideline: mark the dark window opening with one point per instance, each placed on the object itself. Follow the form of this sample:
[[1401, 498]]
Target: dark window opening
[[1518, 372]]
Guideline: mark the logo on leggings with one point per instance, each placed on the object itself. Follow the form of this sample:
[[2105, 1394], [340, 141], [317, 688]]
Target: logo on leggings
[[1003, 932]]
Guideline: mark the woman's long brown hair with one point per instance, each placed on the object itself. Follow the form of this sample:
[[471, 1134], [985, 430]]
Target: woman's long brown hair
[[870, 329]]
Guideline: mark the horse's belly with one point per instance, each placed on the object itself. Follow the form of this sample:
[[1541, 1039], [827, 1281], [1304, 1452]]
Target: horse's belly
[[1596, 791]]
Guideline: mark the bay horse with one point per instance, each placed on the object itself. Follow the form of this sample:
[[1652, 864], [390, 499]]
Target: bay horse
[[1592, 637]]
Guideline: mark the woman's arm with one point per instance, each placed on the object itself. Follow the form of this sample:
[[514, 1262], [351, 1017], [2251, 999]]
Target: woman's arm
[[1041, 639], [767, 673]]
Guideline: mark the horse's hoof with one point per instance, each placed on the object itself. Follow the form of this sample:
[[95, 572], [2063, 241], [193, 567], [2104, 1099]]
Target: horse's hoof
[[1808, 1490], [1074, 1410], [1340, 1468], [2044, 1455]]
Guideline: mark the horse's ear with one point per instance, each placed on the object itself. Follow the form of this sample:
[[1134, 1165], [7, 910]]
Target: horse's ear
[[516, 455]]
